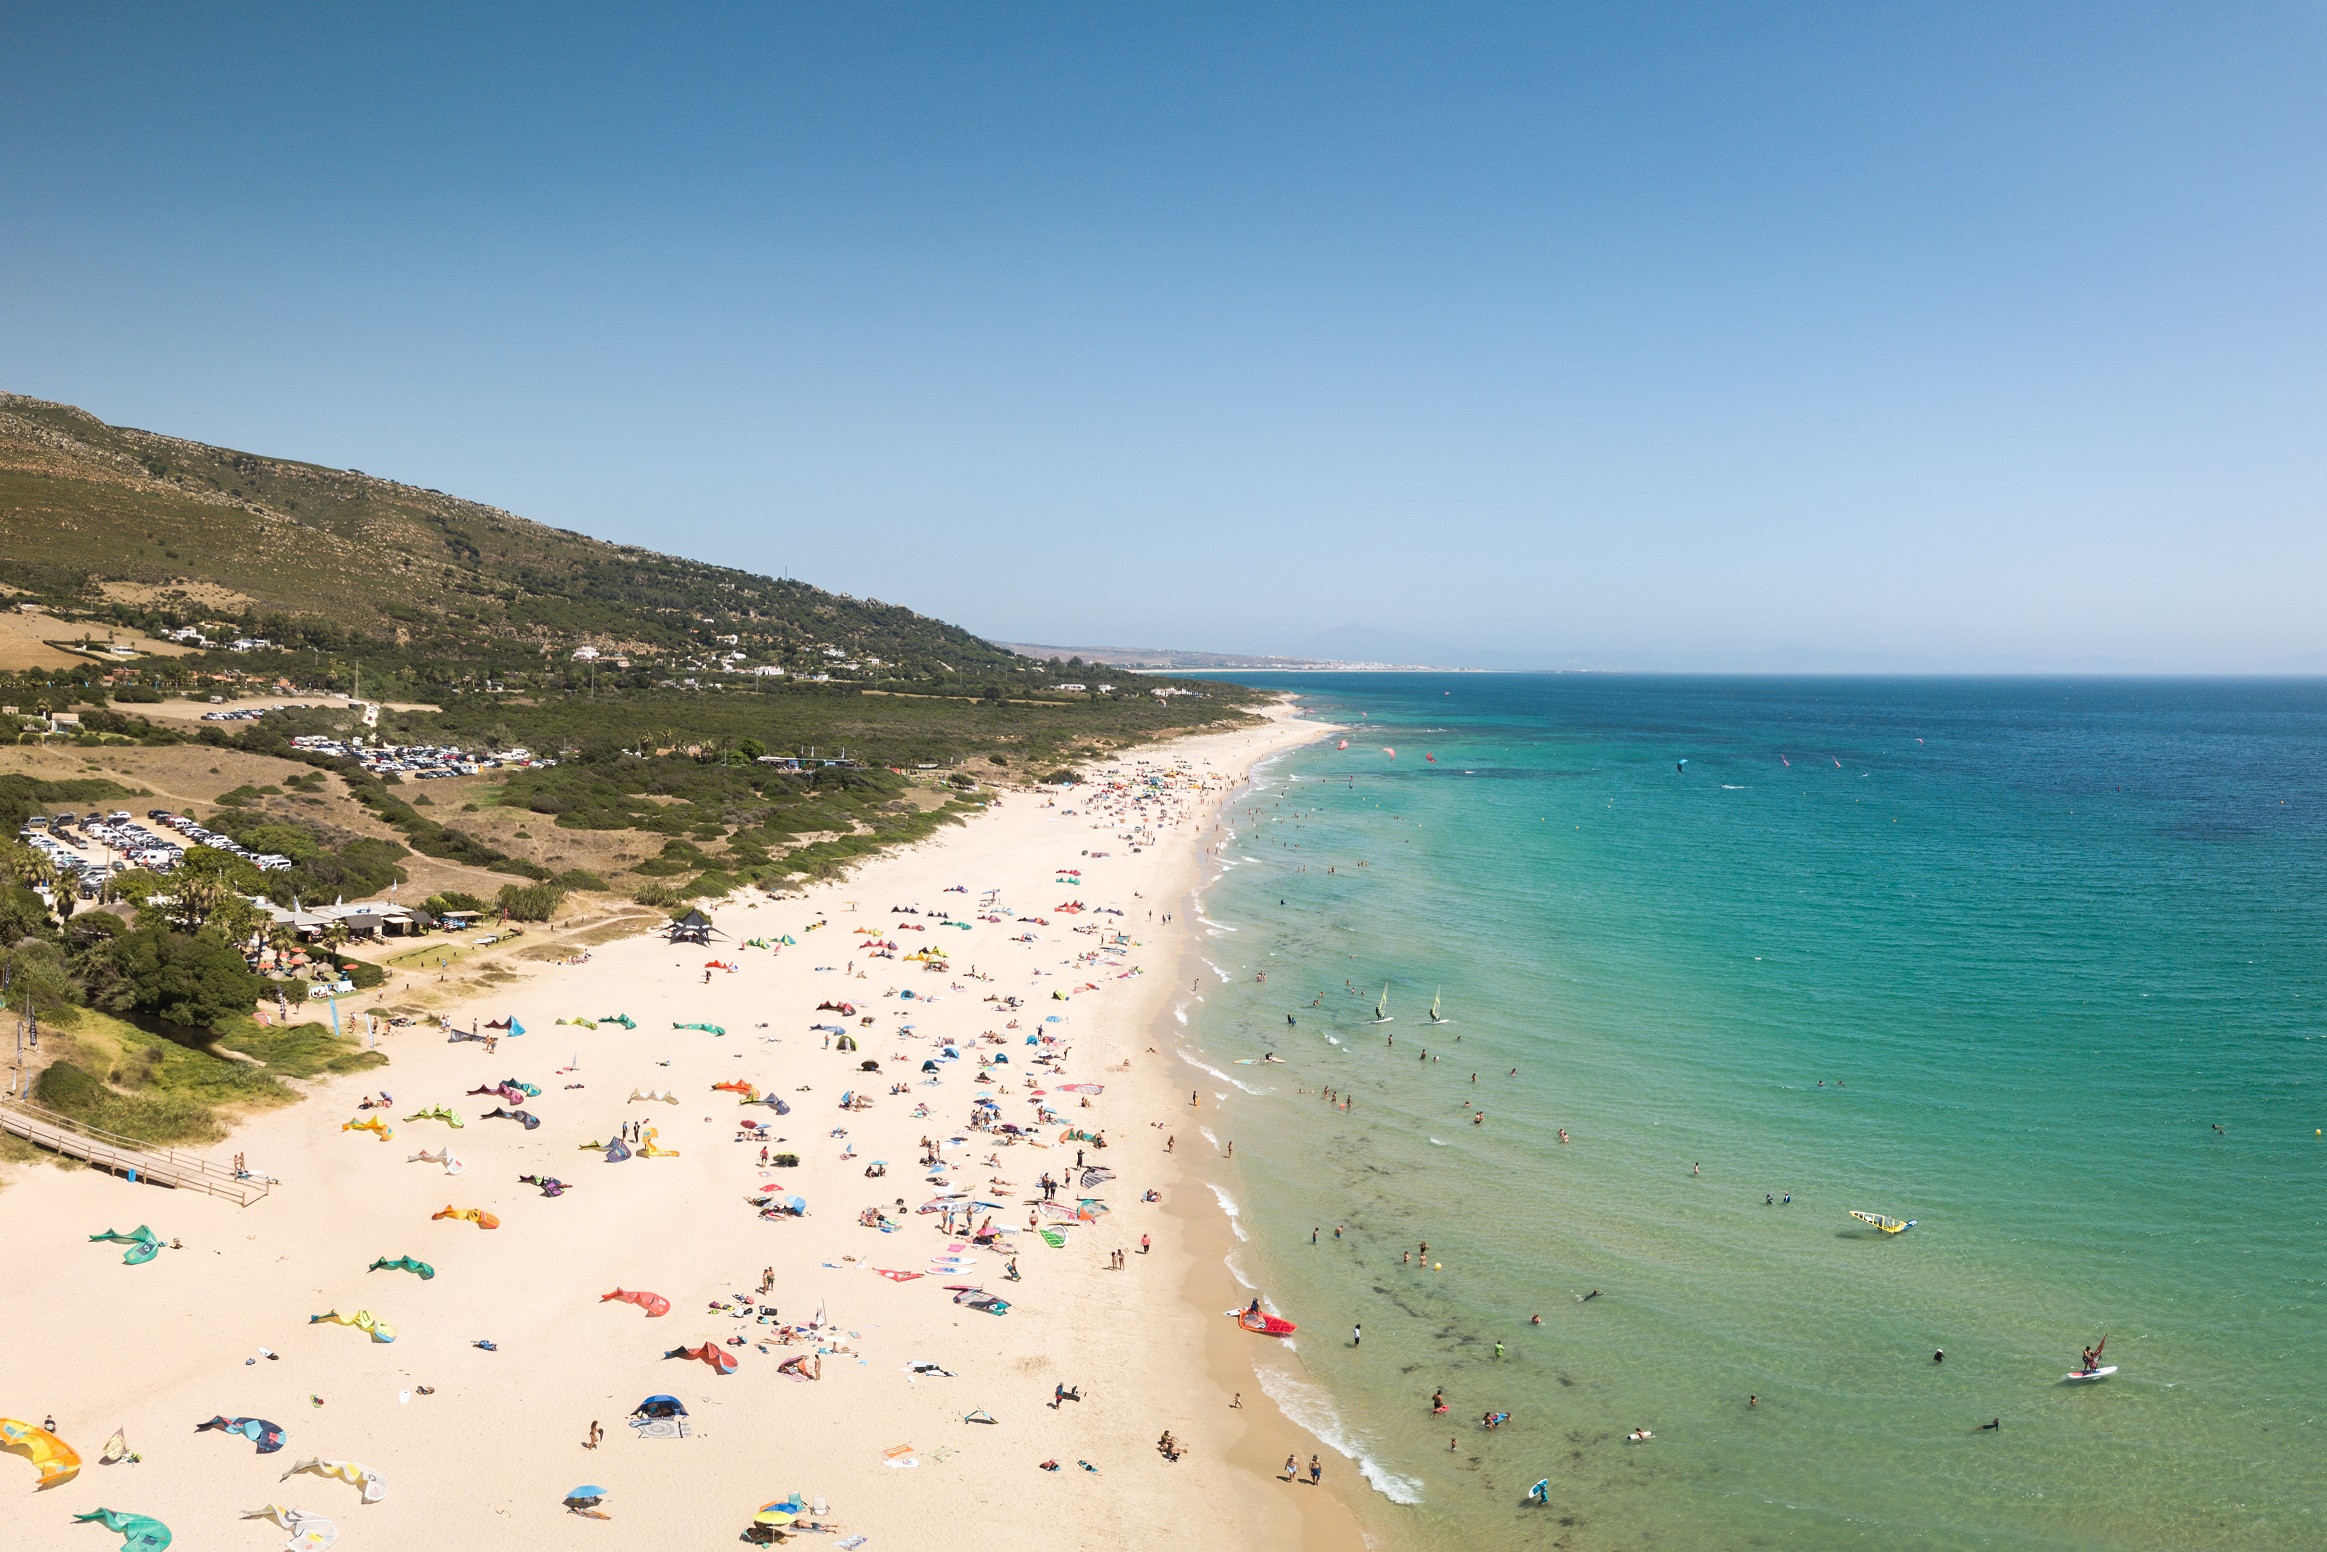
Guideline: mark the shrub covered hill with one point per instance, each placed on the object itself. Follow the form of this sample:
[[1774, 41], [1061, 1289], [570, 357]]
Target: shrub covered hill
[[337, 559], [334, 578]]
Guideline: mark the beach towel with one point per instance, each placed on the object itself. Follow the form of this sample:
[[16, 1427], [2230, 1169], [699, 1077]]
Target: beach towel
[[898, 1277]]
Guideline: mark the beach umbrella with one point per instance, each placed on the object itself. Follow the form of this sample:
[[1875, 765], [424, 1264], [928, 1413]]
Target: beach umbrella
[[585, 1499]]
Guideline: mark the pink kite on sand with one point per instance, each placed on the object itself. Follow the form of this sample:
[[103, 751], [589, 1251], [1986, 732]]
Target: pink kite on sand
[[719, 1358], [652, 1303]]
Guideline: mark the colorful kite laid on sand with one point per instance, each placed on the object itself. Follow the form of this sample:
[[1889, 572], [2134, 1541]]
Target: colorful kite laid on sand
[[444, 1156], [267, 1436], [436, 1113], [138, 1532], [143, 1245], [476, 1215], [57, 1460], [403, 1264], [721, 1360], [652, 1303], [363, 1320], [373, 1124], [346, 1471], [310, 1532]]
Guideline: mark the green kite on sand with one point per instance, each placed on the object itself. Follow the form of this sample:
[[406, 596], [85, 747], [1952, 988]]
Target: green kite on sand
[[585, 1023], [139, 1532], [624, 1019], [403, 1264], [709, 1029], [437, 1113], [144, 1245], [1053, 1238]]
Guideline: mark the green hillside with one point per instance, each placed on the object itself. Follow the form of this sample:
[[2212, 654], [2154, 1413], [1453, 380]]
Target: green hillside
[[354, 581], [145, 529]]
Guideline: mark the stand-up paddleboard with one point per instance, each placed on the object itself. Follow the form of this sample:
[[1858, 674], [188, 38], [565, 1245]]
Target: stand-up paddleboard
[[2081, 1376]]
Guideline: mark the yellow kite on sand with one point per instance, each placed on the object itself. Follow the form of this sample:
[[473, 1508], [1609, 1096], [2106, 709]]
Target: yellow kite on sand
[[373, 1124], [476, 1215], [57, 1460], [363, 1320], [346, 1471]]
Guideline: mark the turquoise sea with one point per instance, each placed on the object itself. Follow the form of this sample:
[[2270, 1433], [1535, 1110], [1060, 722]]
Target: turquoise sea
[[2039, 965]]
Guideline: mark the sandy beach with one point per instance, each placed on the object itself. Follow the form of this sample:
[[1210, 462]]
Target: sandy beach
[[478, 1446]]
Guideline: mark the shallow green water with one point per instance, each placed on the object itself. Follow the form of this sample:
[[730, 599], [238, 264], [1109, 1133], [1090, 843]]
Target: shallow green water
[[2037, 940]]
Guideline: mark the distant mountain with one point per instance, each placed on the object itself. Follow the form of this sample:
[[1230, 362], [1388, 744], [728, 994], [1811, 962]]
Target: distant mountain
[[153, 528]]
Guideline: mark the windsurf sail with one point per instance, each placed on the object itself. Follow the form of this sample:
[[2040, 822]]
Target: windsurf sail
[[1887, 1225]]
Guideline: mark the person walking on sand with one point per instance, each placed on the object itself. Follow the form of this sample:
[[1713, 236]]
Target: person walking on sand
[[1316, 1471], [1143, 1244], [1292, 1467], [1357, 1336]]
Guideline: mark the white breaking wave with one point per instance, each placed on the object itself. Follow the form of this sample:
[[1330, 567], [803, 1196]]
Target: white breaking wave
[[1204, 1066], [1236, 1270], [1180, 1012], [1228, 1206], [1438, 1142], [1215, 926], [1312, 1409]]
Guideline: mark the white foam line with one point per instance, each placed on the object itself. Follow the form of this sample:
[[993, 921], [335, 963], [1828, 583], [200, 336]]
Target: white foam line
[[1311, 1408], [1236, 1270], [1180, 1012], [1216, 970], [1204, 1066], [1228, 1206]]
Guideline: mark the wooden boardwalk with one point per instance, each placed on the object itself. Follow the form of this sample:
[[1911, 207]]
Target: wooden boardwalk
[[124, 1156]]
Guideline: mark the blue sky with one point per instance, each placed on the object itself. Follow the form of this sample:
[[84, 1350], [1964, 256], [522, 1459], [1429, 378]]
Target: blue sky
[[1720, 337]]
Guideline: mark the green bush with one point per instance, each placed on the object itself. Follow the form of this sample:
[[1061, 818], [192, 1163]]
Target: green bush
[[189, 979], [363, 973], [530, 902], [453, 900], [660, 896], [580, 878]]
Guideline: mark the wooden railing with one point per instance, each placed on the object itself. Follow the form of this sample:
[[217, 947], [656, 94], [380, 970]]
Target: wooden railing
[[125, 1156]]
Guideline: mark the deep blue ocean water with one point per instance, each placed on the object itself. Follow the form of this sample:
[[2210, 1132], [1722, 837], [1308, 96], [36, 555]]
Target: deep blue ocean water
[[1999, 956]]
